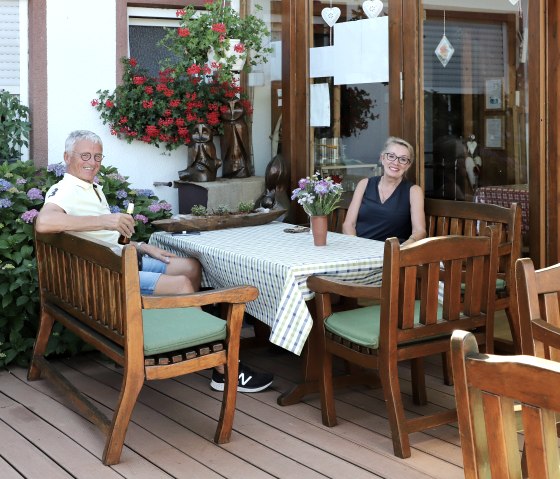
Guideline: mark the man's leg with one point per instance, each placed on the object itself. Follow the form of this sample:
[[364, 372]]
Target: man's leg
[[179, 276], [182, 276]]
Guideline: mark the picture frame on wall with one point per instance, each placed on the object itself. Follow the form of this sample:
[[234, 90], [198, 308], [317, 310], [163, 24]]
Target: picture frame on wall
[[494, 135], [494, 94]]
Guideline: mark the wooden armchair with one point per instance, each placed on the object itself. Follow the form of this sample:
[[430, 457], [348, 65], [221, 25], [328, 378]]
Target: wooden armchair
[[403, 327], [446, 217], [94, 291], [538, 294], [486, 389]]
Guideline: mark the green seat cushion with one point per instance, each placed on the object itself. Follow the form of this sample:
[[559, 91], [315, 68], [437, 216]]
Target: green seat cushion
[[179, 328], [361, 326]]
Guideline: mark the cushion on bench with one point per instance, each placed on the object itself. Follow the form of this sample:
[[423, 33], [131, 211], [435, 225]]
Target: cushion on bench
[[353, 323], [179, 328]]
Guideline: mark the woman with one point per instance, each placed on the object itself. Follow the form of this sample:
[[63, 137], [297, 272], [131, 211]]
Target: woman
[[388, 205]]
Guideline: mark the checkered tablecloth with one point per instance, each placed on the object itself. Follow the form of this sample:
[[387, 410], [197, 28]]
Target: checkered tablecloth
[[278, 264], [505, 195]]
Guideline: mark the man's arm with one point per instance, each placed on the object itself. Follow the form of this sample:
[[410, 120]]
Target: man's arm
[[53, 219]]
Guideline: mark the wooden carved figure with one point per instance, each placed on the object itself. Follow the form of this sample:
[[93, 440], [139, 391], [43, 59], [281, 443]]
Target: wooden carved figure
[[203, 163], [235, 143]]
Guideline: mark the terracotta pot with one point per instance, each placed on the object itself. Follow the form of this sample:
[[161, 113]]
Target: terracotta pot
[[319, 229]]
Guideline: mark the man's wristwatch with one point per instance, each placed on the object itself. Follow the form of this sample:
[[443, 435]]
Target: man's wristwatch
[[138, 246]]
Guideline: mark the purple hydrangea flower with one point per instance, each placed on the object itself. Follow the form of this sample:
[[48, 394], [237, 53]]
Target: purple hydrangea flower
[[5, 185], [57, 168], [114, 209], [144, 192], [121, 194], [29, 215], [154, 208], [5, 203], [35, 194], [141, 218], [166, 206], [116, 176], [21, 181]]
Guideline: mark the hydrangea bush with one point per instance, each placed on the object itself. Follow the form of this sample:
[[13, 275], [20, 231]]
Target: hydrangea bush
[[22, 192]]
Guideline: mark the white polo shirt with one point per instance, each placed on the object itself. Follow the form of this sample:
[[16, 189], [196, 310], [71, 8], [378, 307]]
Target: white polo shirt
[[80, 198]]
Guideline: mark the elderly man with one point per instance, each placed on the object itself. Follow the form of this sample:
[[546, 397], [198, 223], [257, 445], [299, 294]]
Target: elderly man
[[76, 203]]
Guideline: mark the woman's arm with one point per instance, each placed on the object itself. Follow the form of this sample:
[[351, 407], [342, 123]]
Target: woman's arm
[[417, 215], [349, 225]]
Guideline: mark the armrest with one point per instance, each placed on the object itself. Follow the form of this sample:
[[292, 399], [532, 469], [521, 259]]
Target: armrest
[[326, 284], [235, 295]]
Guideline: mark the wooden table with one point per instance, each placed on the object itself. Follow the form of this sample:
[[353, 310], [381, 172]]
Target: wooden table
[[278, 264]]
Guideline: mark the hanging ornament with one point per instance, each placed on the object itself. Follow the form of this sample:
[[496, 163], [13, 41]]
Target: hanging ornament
[[444, 51], [330, 15], [372, 8], [513, 2]]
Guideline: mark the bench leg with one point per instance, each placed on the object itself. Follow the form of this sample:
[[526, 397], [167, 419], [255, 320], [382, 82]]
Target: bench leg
[[132, 384], [46, 323], [225, 423]]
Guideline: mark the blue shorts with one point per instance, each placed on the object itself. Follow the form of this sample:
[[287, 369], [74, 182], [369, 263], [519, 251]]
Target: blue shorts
[[152, 269]]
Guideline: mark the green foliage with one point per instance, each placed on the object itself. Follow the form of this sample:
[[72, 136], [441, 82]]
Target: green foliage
[[22, 191], [199, 32], [221, 210], [14, 126], [199, 210], [245, 207]]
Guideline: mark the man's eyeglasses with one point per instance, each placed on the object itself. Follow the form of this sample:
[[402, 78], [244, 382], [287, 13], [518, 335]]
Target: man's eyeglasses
[[403, 160], [87, 156]]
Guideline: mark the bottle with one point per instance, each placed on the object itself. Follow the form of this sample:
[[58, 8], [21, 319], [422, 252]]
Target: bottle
[[122, 238]]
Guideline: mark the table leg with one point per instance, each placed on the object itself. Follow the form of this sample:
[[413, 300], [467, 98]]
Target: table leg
[[311, 370]]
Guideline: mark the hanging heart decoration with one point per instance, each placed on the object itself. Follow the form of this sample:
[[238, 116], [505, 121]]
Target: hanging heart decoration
[[330, 15], [372, 8]]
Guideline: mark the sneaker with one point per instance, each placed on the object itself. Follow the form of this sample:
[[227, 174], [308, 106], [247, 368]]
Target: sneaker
[[249, 381]]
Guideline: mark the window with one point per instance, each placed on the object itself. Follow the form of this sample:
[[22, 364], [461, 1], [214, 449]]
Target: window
[[146, 27]]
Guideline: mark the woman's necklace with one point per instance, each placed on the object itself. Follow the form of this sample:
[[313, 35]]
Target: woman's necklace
[[384, 195]]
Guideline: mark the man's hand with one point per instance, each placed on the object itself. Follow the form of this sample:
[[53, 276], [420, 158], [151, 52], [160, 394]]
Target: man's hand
[[156, 253], [120, 222]]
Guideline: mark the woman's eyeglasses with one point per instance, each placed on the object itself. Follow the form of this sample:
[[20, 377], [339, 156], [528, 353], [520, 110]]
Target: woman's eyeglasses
[[403, 160], [87, 156]]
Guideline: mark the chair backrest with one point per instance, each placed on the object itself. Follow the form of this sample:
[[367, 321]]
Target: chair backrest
[[444, 217], [539, 309], [411, 287], [447, 217], [486, 387], [337, 217]]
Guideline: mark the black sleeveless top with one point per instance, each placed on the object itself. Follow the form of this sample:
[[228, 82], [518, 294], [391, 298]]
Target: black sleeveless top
[[379, 221]]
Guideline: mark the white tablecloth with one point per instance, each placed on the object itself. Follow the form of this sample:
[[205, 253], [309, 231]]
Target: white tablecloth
[[278, 264]]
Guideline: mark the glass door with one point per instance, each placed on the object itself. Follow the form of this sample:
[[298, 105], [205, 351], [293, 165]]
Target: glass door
[[475, 120], [349, 92]]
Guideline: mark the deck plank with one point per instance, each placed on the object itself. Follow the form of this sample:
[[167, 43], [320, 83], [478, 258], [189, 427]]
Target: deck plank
[[21, 458], [172, 427]]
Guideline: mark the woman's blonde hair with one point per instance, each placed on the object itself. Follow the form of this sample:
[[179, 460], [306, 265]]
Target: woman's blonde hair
[[395, 140]]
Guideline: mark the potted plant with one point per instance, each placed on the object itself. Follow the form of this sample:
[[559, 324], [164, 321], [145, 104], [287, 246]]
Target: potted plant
[[221, 32], [14, 126], [164, 109]]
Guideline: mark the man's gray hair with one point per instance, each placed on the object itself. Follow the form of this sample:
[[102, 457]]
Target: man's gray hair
[[79, 135]]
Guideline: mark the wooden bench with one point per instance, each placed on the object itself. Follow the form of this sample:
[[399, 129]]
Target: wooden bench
[[93, 289]]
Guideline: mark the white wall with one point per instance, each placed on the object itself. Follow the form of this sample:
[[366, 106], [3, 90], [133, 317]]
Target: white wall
[[81, 39]]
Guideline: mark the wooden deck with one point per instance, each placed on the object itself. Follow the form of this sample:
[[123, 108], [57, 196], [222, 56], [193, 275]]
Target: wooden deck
[[173, 424]]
